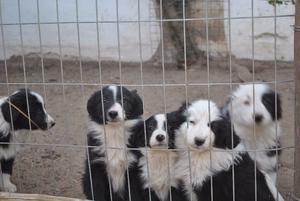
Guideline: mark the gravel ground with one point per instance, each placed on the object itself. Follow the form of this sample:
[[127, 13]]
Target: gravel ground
[[48, 168]]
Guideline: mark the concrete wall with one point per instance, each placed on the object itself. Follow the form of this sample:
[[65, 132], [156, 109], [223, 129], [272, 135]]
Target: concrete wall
[[108, 31], [264, 30], [241, 41]]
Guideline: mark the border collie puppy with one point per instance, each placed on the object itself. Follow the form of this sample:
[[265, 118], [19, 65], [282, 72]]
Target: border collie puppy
[[256, 121], [210, 139], [109, 132], [156, 165], [15, 127]]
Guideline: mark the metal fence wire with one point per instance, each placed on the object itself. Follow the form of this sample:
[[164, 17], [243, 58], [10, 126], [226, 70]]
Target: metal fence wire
[[171, 52]]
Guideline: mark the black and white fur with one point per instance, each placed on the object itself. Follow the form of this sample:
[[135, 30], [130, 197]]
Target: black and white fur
[[156, 165], [208, 136], [110, 128], [257, 107], [15, 127]]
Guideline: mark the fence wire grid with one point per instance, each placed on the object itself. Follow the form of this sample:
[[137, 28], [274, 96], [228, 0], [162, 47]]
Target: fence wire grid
[[75, 50]]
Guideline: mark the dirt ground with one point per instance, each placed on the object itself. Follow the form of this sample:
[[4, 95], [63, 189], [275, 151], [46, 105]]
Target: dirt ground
[[48, 167]]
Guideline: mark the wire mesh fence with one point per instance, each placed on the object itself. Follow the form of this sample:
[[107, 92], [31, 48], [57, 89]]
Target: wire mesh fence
[[171, 52]]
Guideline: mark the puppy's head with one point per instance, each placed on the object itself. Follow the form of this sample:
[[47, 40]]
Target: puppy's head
[[257, 104], [204, 128], [15, 111], [119, 104], [156, 131], [197, 131]]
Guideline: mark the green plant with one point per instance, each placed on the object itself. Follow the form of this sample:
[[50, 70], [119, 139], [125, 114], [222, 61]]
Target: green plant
[[280, 2]]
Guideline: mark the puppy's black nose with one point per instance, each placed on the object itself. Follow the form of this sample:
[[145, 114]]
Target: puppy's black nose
[[258, 118], [113, 114], [160, 138], [52, 124], [199, 141]]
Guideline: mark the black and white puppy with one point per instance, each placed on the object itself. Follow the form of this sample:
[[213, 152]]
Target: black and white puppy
[[210, 139], [15, 126], [255, 111], [156, 165], [112, 111]]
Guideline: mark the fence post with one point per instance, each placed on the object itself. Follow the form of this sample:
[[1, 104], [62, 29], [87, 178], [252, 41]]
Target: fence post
[[297, 91]]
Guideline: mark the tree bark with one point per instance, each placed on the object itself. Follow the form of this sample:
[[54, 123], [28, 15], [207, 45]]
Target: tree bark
[[173, 10]]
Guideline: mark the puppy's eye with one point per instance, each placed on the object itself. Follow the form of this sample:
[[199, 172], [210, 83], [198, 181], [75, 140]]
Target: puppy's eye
[[247, 102], [192, 122], [208, 124]]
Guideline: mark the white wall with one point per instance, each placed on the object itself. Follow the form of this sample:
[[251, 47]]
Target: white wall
[[241, 41], [108, 31], [264, 29]]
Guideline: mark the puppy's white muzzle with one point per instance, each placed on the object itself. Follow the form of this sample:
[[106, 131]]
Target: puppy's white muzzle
[[50, 122]]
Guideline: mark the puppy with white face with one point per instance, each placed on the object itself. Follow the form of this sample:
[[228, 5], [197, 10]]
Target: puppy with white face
[[199, 115], [156, 164], [156, 129], [210, 164], [113, 111], [114, 104], [255, 111], [20, 113]]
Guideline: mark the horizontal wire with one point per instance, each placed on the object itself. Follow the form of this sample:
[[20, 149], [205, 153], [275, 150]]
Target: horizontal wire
[[146, 85], [138, 21], [143, 148]]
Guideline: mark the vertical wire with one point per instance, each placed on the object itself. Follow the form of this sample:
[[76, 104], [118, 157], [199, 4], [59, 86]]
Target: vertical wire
[[42, 64], [61, 70], [253, 80], [143, 95], [79, 54], [86, 141], [276, 95], [186, 84], [24, 69], [230, 102], [102, 106], [122, 100], [41, 48], [208, 94], [164, 97]]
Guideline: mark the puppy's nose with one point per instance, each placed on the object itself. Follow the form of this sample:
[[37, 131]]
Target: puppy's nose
[[160, 138], [199, 141], [113, 114], [258, 118], [52, 124]]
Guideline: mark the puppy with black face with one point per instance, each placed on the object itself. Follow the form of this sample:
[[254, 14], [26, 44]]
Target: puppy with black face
[[21, 112], [113, 111], [215, 152], [255, 111], [156, 165]]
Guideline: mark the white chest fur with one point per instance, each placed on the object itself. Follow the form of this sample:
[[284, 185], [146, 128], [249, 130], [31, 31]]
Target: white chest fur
[[114, 138], [161, 171], [16, 140], [263, 138], [201, 165]]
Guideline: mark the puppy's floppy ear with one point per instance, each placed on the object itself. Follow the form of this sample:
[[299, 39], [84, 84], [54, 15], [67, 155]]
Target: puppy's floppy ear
[[134, 91], [225, 135], [10, 114], [94, 107], [138, 103], [176, 118], [183, 108], [273, 105], [137, 139]]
